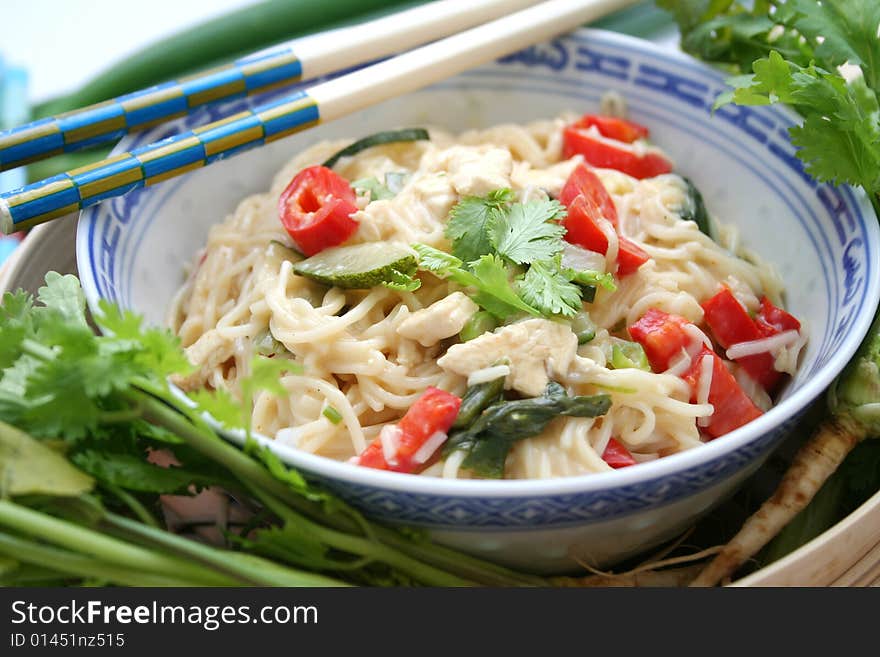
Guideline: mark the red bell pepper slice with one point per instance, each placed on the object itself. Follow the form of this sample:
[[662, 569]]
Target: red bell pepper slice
[[777, 318], [617, 456], [610, 154], [730, 324], [583, 181], [732, 407], [662, 336], [315, 209], [582, 228], [613, 127], [630, 256], [433, 412]]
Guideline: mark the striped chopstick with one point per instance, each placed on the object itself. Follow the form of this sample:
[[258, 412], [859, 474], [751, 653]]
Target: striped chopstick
[[302, 59], [68, 192]]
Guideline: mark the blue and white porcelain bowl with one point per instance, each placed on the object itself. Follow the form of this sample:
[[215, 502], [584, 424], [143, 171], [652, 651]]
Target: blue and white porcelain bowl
[[823, 240]]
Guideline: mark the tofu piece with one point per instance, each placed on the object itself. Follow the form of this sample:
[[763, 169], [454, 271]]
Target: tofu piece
[[478, 171], [442, 319], [535, 350]]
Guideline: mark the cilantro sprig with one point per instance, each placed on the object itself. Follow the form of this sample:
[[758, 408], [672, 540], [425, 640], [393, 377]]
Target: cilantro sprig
[[509, 255], [820, 58]]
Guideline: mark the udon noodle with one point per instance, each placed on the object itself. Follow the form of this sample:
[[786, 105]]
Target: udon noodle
[[368, 354]]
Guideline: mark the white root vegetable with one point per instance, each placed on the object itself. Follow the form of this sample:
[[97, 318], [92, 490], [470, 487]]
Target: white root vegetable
[[814, 462]]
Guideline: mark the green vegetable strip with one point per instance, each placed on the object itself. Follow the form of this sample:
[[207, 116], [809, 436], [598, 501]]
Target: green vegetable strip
[[104, 547], [480, 322], [475, 401], [389, 137], [361, 546], [73, 564], [256, 570]]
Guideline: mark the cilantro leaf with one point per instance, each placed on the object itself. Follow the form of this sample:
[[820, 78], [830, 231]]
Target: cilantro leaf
[[64, 295], [839, 139], [134, 472], [489, 280], [470, 222], [494, 292], [16, 322], [545, 287], [377, 191], [220, 405], [844, 31], [156, 351], [526, 232], [402, 282], [437, 261]]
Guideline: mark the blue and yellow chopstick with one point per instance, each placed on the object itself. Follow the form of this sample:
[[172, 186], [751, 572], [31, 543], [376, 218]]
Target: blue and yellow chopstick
[[114, 176], [284, 65], [110, 120]]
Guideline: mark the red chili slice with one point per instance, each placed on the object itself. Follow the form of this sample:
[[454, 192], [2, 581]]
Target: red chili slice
[[607, 154], [617, 456], [433, 412], [583, 181], [614, 127], [316, 209]]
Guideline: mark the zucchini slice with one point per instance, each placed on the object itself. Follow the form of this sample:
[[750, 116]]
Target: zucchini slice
[[360, 266], [388, 137]]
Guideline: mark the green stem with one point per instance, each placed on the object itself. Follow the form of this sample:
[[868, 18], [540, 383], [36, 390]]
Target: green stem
[[419, 570], [134, 504], [77, 565], [257, 571], [106, 548]]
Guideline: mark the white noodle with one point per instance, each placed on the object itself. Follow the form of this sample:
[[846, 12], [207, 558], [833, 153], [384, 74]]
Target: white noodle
[[762, 345], [347, 341]]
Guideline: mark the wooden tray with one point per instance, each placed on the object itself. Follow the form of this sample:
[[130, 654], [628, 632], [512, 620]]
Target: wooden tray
[[848, 554]]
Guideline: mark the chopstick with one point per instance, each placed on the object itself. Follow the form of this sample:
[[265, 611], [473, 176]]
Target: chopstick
[[302, 59], [159, 161]]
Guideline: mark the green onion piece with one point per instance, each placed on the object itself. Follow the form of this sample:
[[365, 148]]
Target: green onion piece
[[582, 326], [388, 137], [629, 354], [378, 191], [395, 180], [266, 345], [332, 414], [479, 323]]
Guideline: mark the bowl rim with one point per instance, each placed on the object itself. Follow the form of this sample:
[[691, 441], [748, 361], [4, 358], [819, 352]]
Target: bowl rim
[[669, 466]]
